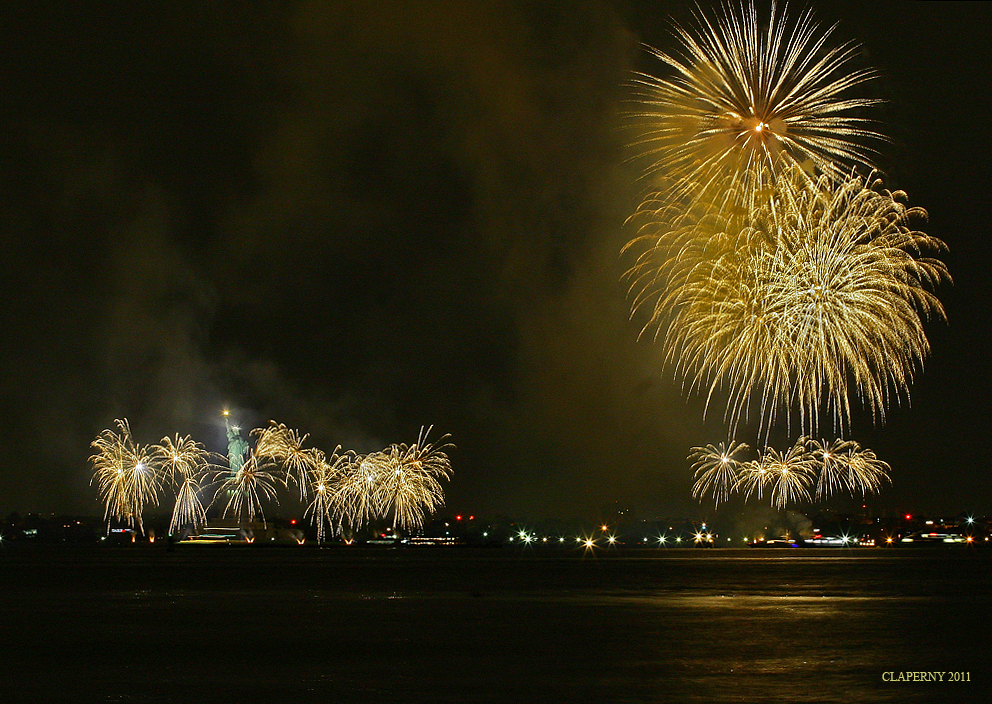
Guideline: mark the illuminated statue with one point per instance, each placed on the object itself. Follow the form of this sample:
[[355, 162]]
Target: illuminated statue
[[237, 446]]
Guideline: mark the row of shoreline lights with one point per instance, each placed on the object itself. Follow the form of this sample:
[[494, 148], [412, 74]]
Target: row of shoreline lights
[[611, 539]]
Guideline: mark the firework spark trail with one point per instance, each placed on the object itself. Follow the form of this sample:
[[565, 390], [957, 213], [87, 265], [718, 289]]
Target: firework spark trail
[[745, 100], [127, 475], [716, 470]]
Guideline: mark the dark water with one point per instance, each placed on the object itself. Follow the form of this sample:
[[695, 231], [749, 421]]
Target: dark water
[[249, 624]]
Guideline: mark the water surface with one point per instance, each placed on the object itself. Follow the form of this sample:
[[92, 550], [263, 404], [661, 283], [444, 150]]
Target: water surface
[[300, 624]]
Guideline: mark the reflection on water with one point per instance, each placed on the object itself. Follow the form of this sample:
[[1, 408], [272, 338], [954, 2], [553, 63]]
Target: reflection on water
[[489, 626]]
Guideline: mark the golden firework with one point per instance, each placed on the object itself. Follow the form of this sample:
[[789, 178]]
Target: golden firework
[[186, 462], [790, 473], [355, 499], [243, 492], [281, 448], [818, 296], [324, 476], [743, 100], [410, 483], [402, 481], [127, 475], [716, 470]]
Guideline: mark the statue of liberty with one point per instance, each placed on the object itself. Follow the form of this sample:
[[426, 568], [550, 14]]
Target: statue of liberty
[[237, 446]]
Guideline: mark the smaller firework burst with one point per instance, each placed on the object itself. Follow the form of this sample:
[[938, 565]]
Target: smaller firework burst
[[355, 498], [324, 476], [281, 449], [410, 483], [791, 473], [716, 470], [186, 463], [865, 472], [243, 492], [127, 475]]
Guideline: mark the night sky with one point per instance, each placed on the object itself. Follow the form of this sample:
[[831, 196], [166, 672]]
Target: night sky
[[361, 218]]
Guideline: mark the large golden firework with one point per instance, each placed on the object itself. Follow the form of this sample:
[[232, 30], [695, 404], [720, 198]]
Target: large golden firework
[[127, 475], [814, 298], [744, 99]]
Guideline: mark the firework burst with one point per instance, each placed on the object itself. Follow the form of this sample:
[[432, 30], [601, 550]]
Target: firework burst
[[743, 100], [186, 462], [816, 298], [355, 498], [790, 473], [716, 470], [244, 491], [410, 484], [324, 476], [127, 475], [282, 448], [850, 466]]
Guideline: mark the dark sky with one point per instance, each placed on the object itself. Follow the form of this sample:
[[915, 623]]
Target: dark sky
[[360, 218]]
